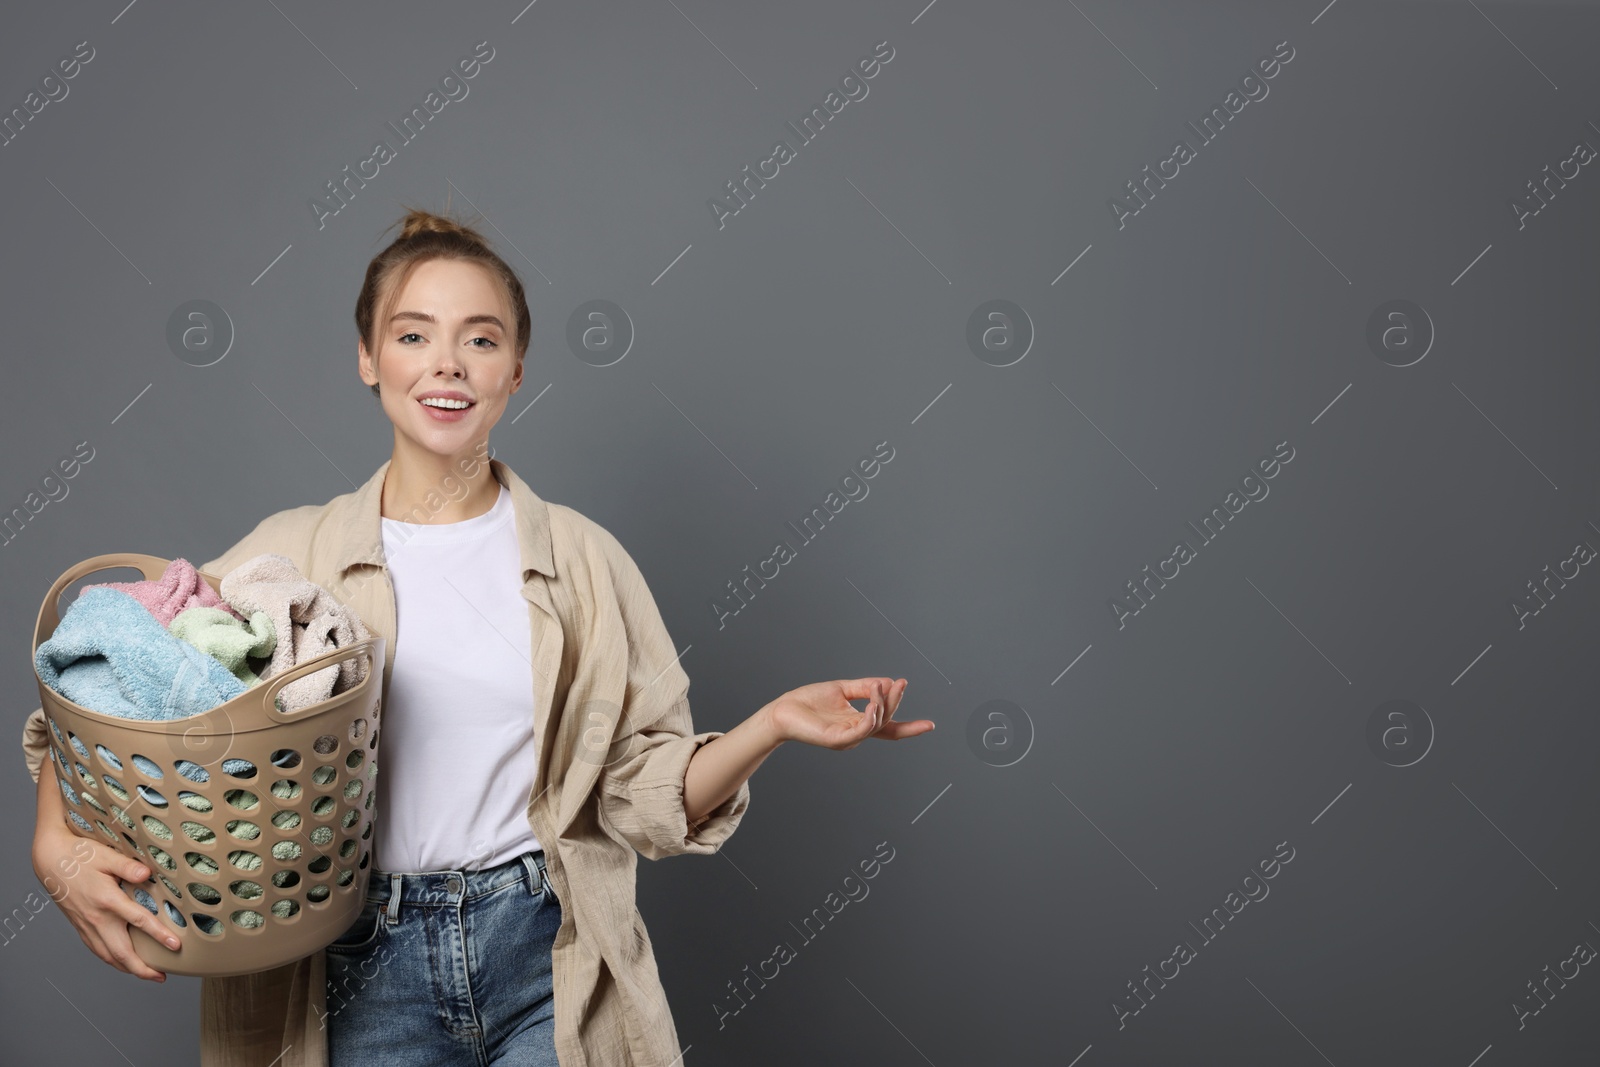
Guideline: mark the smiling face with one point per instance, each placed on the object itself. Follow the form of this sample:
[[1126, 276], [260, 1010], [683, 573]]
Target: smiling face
[[446, 360]]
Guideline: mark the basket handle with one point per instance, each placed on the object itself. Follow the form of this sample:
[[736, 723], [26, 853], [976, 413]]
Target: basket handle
[[275, 685], [152, 567]]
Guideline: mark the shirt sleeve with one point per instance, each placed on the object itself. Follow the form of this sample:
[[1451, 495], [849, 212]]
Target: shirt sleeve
[[641, 784]]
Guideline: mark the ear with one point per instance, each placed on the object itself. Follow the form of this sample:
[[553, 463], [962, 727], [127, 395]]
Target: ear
[[366, 366], [516, 377]]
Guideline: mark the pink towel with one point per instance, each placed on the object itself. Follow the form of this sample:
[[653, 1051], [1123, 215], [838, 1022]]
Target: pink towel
[[309, 621], [179, 587]]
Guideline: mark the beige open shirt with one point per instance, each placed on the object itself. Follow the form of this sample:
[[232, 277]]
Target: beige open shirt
[[609, 781]]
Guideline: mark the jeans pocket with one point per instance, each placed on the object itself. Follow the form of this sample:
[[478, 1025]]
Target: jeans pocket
[[547, 889], [364, 932]]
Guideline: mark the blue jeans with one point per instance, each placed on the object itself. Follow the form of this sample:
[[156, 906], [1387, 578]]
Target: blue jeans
[[447, 967]]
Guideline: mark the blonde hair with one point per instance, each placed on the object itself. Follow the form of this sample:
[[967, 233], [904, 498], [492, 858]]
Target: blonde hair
[[425, 235]]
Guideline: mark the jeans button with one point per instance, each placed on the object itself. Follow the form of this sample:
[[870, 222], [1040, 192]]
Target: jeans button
[[453, 883]]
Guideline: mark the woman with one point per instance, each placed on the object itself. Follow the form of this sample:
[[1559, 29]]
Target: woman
[[500, 923]]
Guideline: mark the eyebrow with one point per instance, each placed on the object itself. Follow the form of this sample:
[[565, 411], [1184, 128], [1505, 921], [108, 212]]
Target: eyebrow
[[470, 320]]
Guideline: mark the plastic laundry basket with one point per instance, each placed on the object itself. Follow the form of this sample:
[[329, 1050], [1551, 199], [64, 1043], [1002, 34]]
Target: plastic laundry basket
[[257, 822]]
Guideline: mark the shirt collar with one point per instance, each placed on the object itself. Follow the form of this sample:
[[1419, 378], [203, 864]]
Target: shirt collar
[[358, 526]]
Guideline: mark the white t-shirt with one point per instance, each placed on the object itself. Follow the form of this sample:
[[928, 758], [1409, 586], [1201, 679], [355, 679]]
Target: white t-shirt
[[457, 762]]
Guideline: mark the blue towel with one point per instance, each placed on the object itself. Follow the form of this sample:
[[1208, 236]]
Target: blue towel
[[111, 655]]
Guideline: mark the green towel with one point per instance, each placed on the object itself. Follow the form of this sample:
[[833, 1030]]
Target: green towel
[[229, 640]]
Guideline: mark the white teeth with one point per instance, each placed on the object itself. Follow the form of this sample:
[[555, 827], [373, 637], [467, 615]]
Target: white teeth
[[441, 402]]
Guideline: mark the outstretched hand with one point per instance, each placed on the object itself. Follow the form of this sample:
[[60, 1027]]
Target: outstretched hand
[[821, 713]]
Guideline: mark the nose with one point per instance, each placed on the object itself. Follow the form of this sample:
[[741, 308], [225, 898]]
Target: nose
[[449, 365]]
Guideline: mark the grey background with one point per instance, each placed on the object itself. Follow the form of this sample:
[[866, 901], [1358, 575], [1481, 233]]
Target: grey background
[[830, 314]]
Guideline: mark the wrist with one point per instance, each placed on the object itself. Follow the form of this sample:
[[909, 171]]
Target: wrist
[[768, 727]]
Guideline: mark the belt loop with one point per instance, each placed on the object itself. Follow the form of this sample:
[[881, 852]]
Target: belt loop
[[535, 874], [394, 897]]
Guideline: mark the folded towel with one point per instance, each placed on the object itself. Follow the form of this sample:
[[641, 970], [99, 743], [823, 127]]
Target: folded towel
[[180, 586], [223, 636], [111, 655], [309, 621]]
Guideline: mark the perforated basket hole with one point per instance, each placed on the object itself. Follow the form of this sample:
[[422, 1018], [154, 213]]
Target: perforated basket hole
[[55, 730], [194, 801], [194, 772], [204, 894], [108, 757], [351, 817], [247, 919], [322, 806], [367, 832], [174, 916], [131, 842], [115, 788], [347, 850], [61, 761], [148, 901], [286, 851], [286, 820], [242, 799], [163, 857], [66, 791], [170, 887], [148, 767], [244, 859], [372, 742], [318, 865], [206, 924], [286, 789], [317, 894], [353, 760], [203, 835], [95, 804], [370, 797], [286, 909], [151, 797], [246, 890], [346, 877], [239, 768], [80, 822], [244, 829], [352, 789], [358, 730], [77, 746], [325, 745], [324, 775], [122, 817], [203, 864], [286, 879], [285, 759], [104, 829], [364, 857], [321, 835], [156, 828], [84, 776]]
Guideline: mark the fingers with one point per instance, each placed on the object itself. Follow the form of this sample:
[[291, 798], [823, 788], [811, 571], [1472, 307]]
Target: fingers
[[119, 943], [896, 690], [160, 932], [860, 688], [886, 700], [105, 917], [129, 869], [895, 731]]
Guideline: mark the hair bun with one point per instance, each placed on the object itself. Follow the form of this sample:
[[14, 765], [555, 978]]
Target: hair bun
[[419, 221]]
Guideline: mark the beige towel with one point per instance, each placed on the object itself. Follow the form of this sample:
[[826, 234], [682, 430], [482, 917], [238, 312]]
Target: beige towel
[[309, 621]]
